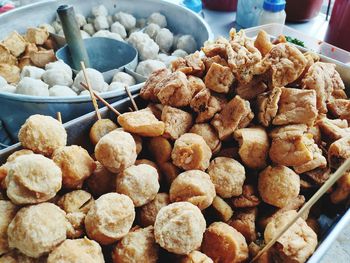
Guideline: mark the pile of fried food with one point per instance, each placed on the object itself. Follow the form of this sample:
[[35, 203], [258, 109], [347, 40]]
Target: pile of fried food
[[214, 167], [35, 48]]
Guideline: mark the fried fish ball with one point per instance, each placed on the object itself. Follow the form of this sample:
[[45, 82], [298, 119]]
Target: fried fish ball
[[100, 129], [223, 243], [110, 218], [8, 211], [222, 209], [278, 185], [32, 179], [101, 181], [244, 222], [160, 148], [228, 176], [297, 243], [148, 212], [179, 228], [342, 190], [116, 151], [76, 225], [219, 78], [150, 163], [76, 251], [196, 257], [137, 246], [142, 122], [177, 122], [248, 198], [253, 146], [17, 257], [76, 165], [338, 152], [37, 229], [42, 134], [76, 201], [193, 186], [139, 182], [209, 135], [191, 152]]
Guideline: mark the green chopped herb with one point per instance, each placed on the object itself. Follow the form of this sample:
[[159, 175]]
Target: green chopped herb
[[295, 41]]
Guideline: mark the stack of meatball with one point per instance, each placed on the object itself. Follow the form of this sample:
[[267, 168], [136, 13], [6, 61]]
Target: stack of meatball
[[219, 161]]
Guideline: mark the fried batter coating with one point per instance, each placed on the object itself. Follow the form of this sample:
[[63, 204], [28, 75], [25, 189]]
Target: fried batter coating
[[248, 198], [7, 211], [160, 148], [342, 191], [251, 89], [324, 79], [179, 228], [116, 151], [100, 129], [209, 135], [223, 243], [42, 134], [332, 130], [32, 179], [191, 64], [296, 244], [196, 84], [139, 182], [244, 222], [110, 218], [196, 257], [219, 78], [177, 122], [193, 186], [263, 43], [340, 108], [253, 146], [296, 106], [37, 229], [338, 152], [147, 92], [148, 212], [141, 122], [222, 209], [191, 152], [76, 165], [137, 246], [268, 106], [212, 50], [227, 175], [208, 61], [278, 185], [235, 114], [101, 181]]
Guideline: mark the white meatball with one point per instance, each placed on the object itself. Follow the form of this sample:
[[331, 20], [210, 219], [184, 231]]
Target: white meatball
[[124, 78], [107, 34], [61, 91], [101, 22], [135, 29], [34, 87], [166, 59], [48, 27], [180, 53], [3, 82], [99, 10], [54, 77], [57, 26], [145, 68], [96, 80], [32, 72], [7, 88], [152, 30], [84, 35], [60, 65], [147, 48], [187, 43], [110, 20], [158, 19], [118, 28], [84, 93], [81, 20], [90, 29], [164, 39], [127, 20], [117, 86], [141, 23]]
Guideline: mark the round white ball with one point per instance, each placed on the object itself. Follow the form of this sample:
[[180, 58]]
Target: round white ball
[[33, 87], [145, 68], [61, 91]]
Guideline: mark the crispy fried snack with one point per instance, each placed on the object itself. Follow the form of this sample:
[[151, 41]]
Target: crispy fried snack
[[263, 43], [340, 108], [147, 92], [15, 43], [219, 78], [8, 211], [244, 222], [37, 36], [196, 84], [160, 148], [177, 122], [338, 152], [10, 72], [196, 257], [268, 106], [209, 135], [6, 57], [191, 64], [149, 212], [101, 181], [100, 129], [248, 198], [222, 209], [342, 192]]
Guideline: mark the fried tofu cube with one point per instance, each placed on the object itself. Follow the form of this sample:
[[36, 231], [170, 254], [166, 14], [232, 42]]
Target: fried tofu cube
[[43, 57], [196, 84], [219, 78], [10, 72], [148, 90], [268, 106], [37, 36], [222, 209], [340, 108], [205, 105], [6, 57], [248, 198], [244, 222], [15, 43], [177, 122]]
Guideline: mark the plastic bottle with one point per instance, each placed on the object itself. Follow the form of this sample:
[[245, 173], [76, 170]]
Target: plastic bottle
[[273, 12], [194, 5], [248, 12]]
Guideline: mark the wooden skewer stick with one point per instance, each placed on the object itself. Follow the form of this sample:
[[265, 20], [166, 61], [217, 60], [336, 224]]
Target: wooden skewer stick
[[102, 100], [90, 90], [59, 117], [320, 192], [130, 109], [131, 98]]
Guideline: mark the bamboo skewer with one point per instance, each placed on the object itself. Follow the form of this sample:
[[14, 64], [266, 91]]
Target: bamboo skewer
[[130, 109], [320, 192], [59, 117], [90, 90], [102, 100], [131, 98]]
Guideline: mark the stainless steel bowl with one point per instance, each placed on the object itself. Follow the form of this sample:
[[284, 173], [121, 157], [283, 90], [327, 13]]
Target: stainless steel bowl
[[16, 108]]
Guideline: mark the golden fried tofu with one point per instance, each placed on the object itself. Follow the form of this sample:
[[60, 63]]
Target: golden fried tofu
[[244, 222], [147, 91], [160, 148], [177, 122], [222, 209], [215, 49], [6, 57], [319, 175], [15, 43], [37, 36], [263, 43], [42, 57], [248, 198], [209, 134], [191, 64], [332, 130], [208, 61], [268, 106], [219, 78], [338, 152], [252, 89], [10, 72], [342, 190], [340, 108], [196, 84]]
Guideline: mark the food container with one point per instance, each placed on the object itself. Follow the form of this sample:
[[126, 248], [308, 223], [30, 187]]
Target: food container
[[302, 10], [16, 108], [221, 5]]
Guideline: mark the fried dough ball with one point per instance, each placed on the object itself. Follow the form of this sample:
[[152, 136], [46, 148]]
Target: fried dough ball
[[110, 218], [253, 146], [209, 135], [196, 257], [32, 179], [142, 122], [101, 181], [148, 212], [76, 251], [100, 129], [222, 209], [278, 185], [179, 228], [150, 163], [219, 78], [297, 243], [228, 176], [76, 201], [160, 148], [223, 243], [193, 186], [76, 165], [244, 222], [7, 212], [139, 182], [338, 152], [137, 246], [42, 134], [177, 122], [37, 229], [116, 151], [191, 152]]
